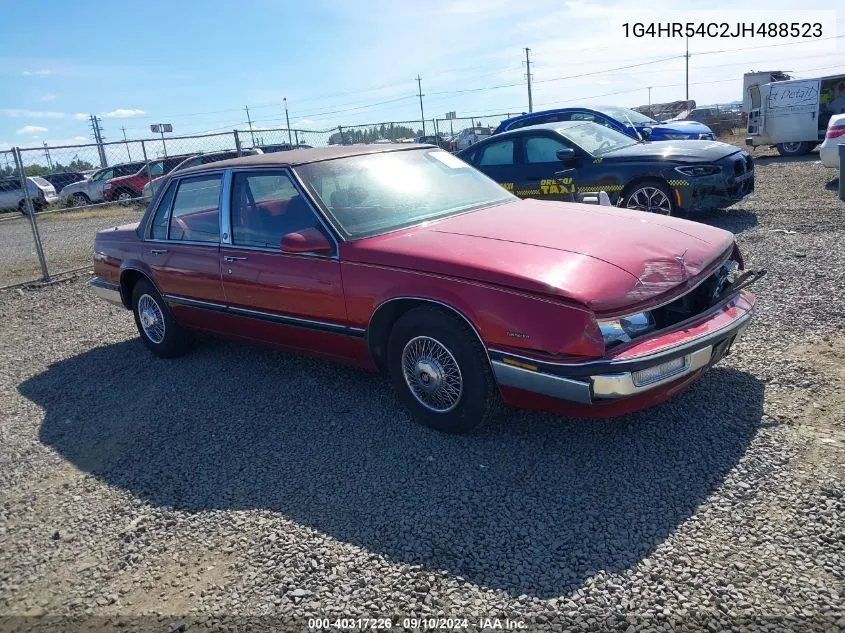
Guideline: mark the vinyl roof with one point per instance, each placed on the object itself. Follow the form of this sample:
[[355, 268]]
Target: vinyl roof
[[304, 156]]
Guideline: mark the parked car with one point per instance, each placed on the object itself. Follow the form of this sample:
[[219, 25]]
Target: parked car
[[281, 147], [554, 160], [201, 159], [90, 190], [835, 136], [469, 136], [12, 195], [433, 139], [459, 290], [629, 122], [720, 121], [62, 179], [125, 188]]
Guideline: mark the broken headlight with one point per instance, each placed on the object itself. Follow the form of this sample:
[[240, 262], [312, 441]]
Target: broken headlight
[[625, 329]]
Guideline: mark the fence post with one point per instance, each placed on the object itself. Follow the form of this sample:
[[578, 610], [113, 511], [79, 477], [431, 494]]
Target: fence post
[[340, 130], [296, 136], [146, 161], [30, 209], [237, 142]]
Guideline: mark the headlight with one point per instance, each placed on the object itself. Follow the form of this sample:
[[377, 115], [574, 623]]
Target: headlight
[[625, 329], [678, 137], [699, 170]]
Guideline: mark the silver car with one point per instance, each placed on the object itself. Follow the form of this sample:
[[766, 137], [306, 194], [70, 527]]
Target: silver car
[[12, 196], [152, 186], [90, 190]]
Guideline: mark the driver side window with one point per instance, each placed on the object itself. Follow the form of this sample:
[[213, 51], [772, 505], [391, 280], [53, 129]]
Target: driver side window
[[542, 149], [265, 207]]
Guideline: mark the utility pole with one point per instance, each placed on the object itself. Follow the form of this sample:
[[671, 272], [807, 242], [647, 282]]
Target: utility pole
[[687, 61], [528, 76], [47, 154], [249, 121], [422, 114], [123, 129], [287, 120], [98, 138]]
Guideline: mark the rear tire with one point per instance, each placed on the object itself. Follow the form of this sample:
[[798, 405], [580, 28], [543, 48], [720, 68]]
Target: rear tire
[[125, 197], [441, 372], [156, 325], [798, 148]]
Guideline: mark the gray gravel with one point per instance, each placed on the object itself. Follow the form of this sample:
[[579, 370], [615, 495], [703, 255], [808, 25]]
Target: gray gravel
[[240, 485]]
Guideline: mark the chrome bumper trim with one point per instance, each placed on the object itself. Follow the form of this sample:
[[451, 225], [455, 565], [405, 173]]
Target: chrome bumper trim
[[623, 384], [589, 388], [107, 291], [546, 384]]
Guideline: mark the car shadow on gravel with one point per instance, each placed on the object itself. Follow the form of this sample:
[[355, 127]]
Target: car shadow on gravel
[[534, 505], [733, 220]]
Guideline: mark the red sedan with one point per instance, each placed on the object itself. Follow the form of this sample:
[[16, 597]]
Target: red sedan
[[403, 258]]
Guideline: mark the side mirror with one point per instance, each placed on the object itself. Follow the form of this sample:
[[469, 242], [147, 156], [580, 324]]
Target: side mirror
[[565, 154], [308, 240], [646, 133]]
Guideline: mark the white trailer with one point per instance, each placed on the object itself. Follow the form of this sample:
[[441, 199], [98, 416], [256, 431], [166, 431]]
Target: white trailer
[[793, 115]]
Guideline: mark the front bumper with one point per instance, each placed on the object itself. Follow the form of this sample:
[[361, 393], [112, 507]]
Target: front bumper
[[829, 155], [647, 366], [106, 290]]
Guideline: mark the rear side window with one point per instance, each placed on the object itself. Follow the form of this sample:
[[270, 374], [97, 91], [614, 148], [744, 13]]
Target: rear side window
[[542, 149], [500, 153], [196, 214], [158, 227]]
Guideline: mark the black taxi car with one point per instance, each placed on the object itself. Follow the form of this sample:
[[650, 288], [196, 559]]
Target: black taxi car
[[558, 161]]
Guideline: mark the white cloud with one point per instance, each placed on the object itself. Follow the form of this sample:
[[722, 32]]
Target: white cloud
[[123, 113], [32, 129], [31, 114], [81, 116], [37, 73], [48, 97], [303, 122]]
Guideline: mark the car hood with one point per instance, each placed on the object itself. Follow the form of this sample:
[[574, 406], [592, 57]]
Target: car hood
[[674, 151], [683, 127], [604, 258]]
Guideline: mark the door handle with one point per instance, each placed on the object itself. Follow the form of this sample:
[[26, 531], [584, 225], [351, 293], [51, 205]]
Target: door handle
[[232, 258], [158, 251]]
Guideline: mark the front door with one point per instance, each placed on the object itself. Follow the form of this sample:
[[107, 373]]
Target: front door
[[496, 159], [182, 248], [295, 300]]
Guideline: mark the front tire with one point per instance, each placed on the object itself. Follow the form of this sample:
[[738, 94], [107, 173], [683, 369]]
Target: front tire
[[125, 197], [441, 372], [79, 200], [156, 325], [651, 196], [798, 148]]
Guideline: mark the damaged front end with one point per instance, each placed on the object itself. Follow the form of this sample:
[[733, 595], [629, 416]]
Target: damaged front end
[[726, 280]]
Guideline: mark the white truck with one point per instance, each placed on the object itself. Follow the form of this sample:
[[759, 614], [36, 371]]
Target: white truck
[[793, 115]]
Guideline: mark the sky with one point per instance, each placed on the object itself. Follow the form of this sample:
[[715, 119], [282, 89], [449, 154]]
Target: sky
[[197, 65]]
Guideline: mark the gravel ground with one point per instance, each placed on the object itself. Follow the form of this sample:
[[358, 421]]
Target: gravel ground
[[242, 486], [67, 237]]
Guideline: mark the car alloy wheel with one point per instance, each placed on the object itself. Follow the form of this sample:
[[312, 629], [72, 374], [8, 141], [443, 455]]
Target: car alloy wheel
[[151, 318], [124, 197], [649, 199], [432, 374], [79, 200]]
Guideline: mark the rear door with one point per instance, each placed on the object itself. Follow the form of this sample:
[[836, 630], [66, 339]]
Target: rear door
[[182, 247]]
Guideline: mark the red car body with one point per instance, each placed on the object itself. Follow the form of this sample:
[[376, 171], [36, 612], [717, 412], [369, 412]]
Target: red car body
[[532, 279], [132, 185]]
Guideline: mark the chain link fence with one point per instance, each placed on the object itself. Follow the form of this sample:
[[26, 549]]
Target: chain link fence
[[53, 200]]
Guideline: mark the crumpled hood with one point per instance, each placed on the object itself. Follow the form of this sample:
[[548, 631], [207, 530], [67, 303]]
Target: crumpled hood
[[604, 258]]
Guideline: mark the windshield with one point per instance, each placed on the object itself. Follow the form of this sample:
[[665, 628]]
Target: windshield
[[623, 114], [596, 139], [377, 193]]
